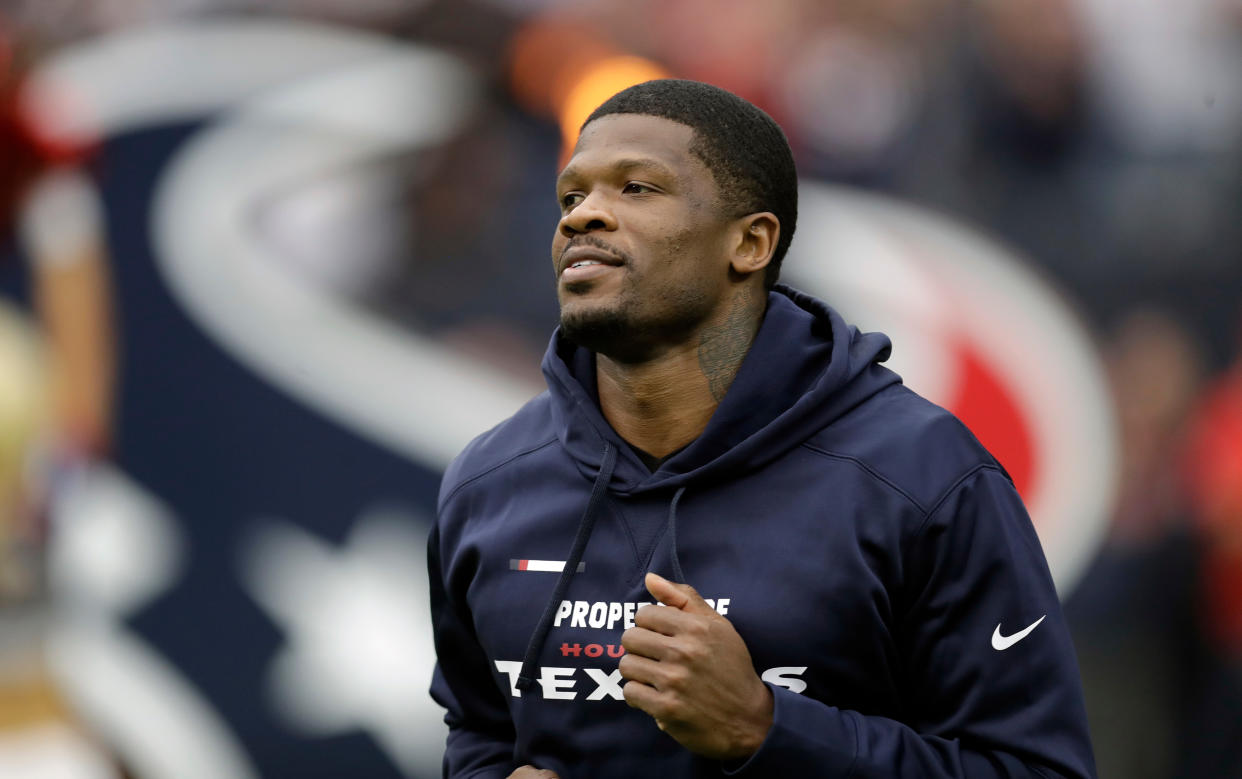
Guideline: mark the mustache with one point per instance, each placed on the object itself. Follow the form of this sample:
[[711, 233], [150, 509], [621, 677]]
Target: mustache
[[595, 243]]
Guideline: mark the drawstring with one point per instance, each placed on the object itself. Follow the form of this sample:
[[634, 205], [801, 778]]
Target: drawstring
[[678, 576], [526, 676]]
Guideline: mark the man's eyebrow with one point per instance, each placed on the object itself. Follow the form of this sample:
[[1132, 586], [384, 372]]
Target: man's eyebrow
[[621, 166]]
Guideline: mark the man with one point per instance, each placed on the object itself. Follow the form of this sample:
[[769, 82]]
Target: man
[[874, 601]]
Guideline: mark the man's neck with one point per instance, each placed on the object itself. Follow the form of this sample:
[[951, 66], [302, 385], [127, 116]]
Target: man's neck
[[664, 403]]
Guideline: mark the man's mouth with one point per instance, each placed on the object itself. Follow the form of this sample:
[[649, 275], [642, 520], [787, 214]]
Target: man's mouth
[[582, 262], [585, 270]]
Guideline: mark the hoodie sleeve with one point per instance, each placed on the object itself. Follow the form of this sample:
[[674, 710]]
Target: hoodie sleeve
[[481, 735], [992, 679]]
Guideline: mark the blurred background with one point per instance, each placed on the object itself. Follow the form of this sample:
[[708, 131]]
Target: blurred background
[[267, 266]]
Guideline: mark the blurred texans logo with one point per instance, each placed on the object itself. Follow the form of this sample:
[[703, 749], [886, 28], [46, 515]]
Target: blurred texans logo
[[298, 102]]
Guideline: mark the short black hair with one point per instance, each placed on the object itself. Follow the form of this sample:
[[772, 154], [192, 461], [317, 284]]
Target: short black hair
[[742, 146]]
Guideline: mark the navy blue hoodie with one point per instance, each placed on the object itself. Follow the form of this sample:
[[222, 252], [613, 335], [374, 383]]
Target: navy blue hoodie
[[876, 560]]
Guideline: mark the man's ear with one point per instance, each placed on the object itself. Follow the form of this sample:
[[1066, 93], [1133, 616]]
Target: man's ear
[[755, 244]]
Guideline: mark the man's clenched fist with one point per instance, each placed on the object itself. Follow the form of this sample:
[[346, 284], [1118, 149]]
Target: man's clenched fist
[[689, 669]]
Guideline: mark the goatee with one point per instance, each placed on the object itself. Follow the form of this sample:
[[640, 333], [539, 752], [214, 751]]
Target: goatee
[[609, 332], [628, 335]]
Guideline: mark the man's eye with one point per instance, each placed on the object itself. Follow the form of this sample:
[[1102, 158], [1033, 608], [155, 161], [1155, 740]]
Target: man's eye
[[571, 200], [634, 188]]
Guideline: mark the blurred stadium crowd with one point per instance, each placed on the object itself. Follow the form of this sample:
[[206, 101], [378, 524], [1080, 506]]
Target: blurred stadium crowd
[[1101, 139]]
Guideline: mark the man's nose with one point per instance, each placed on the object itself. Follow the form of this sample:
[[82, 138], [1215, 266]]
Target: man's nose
[[592, 214]]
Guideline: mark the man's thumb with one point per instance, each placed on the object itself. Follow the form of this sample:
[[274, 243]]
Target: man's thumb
[[679, 596]]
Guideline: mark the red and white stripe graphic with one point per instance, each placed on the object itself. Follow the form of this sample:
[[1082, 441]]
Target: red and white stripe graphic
[[554, 566]]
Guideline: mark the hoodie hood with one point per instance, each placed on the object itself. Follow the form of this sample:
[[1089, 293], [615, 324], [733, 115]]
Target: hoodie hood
[[805, 369]]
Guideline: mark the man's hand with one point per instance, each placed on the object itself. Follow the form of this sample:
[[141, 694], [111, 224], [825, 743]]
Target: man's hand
[[690, 670], [530, 772]]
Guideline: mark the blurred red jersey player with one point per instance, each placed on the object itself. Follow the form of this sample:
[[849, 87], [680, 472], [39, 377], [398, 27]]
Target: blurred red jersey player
[[56, 395], [1214, 479]]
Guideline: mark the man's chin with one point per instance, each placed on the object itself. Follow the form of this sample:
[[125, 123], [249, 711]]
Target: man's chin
[[622, 331], [598, 328]]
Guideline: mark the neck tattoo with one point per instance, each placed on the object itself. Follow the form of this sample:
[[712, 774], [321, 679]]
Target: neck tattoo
[[722, 347]]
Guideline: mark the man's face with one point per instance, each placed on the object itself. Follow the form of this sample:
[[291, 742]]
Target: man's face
[[640, 250]]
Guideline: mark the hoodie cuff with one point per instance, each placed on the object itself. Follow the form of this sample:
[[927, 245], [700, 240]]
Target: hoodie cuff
[[808, 738]]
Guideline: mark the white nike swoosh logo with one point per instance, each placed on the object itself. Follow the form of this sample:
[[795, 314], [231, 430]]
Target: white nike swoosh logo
[[1001, 643]]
